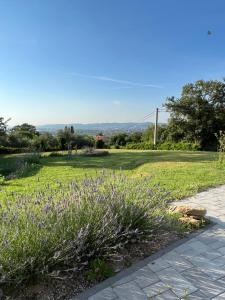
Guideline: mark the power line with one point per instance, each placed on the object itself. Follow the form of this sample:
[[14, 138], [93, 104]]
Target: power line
[[141, 120]]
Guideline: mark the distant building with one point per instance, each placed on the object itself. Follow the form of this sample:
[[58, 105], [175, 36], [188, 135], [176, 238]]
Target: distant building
[[99, 137]]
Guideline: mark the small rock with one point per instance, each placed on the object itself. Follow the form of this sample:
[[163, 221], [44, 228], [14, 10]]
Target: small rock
[[189, 220], [190, 211]]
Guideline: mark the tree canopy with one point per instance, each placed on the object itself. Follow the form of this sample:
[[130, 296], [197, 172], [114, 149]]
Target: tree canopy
[[199, 114]]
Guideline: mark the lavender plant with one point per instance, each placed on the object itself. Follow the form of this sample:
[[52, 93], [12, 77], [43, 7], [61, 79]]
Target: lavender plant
[[58, 231]]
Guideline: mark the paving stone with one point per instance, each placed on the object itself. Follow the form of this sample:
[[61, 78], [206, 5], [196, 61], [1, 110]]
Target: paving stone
[[221, 250], [198, 246], [158, 265], [202, 261], [145, 277], [211, 255], [220, 297], [217, 245], [177, 283], [207, 240], [199, 295], [106, 294], [213, 270], [168, 295], [190, 254], [219, 261], [155, 289], [130, 291], [176, 261], [204, 283], [182, 248], [123, 280]]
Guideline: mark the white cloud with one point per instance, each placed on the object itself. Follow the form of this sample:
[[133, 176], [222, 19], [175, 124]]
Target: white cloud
[[105, 78]]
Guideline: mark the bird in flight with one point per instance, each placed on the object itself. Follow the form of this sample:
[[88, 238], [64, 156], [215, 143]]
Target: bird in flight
[[209, 32]]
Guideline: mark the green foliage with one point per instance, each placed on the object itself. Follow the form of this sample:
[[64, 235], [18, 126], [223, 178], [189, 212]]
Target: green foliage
[[140, 146], [65, 138], [45, 142], [178, 146], [89, 151], [3, 126], [99, 270], [148, 134], [198, 114], [122, 139], [32, 158], [164, 146], [119, 139], [24, 131], [2, 179], [221, 148], [99, 144], [22, 166], [81, 141], [12, 150]]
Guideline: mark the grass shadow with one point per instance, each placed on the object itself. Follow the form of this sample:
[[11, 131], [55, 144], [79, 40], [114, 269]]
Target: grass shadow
[[128, 160]]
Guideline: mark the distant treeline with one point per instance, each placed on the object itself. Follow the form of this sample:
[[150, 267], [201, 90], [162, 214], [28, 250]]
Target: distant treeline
[[196, 120]]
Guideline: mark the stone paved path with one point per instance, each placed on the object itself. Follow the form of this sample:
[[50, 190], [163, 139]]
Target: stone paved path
[[193, 270]]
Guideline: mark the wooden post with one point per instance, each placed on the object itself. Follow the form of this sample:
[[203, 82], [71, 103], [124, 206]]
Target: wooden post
[[156, 126]]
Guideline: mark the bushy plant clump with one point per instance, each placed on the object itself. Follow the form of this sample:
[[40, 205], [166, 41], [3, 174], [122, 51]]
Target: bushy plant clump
[[90, 151], [221, 146], [165, 146], [23, 165], [12, 150], [140, 146], [56, 154], [178, 146], [62, 229]]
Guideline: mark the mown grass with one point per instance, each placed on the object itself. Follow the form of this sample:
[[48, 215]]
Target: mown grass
[[182, 173]]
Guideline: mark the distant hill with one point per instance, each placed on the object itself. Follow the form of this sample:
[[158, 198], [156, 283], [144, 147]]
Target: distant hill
[[94, 128]]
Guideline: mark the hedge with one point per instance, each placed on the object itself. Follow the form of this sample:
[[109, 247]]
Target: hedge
[[140, 146], [178, 146], [164, 146], [10, 150]]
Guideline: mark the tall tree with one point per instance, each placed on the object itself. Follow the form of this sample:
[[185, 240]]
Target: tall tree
[[3, 128], [25, 130], [198, 114]]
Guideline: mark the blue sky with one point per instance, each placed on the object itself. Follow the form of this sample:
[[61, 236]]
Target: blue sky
[[64, 61]]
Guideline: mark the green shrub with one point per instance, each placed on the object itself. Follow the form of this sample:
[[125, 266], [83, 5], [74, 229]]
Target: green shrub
[[99, 270], [10, 150], [140, 146], [164, 146], [64, 229], [178, 146], [33, 158], [56, 154], [23, 165], [90, 151], [2, 179], [221, 147]]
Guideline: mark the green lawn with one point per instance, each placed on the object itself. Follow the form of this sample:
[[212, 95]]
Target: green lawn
[[181, 172]]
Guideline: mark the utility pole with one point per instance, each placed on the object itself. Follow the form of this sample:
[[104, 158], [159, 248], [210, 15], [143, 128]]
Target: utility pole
[[156, 126]]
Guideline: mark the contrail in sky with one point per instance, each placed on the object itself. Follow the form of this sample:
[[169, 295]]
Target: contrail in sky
[[105, 78]]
